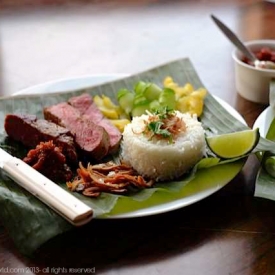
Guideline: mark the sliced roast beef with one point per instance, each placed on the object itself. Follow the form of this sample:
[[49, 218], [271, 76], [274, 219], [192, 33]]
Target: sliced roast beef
[[30, 131], [92, 140], [85, 105]]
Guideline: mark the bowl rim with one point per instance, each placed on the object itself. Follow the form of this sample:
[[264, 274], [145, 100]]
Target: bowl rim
[[262, 42]]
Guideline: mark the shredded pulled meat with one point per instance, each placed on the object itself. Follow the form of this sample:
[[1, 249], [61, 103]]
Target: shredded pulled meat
[[48, 159], [106, 177]]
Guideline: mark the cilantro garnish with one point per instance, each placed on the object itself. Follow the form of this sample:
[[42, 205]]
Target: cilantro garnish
[[155, 127]]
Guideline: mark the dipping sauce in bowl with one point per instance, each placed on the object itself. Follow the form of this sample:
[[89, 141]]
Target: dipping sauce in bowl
[[264, 54], [252, 83]]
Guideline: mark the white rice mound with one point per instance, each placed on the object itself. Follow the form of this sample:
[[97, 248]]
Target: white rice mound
[[159, 159]]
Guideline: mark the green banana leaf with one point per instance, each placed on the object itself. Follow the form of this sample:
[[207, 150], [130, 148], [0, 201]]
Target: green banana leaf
[[36, 223], [265, 183]]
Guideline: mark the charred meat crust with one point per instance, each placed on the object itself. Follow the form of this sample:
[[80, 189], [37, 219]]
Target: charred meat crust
[[30, 131]]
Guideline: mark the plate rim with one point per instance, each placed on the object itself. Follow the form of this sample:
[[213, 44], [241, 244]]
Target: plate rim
[[34, 89], [153, 210]]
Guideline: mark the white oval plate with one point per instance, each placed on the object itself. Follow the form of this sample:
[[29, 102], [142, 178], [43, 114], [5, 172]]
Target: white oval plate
[[199, 192]]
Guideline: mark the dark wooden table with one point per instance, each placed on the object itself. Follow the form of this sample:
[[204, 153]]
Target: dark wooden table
[[230, 232]]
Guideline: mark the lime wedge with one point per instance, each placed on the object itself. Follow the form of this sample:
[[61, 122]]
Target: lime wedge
[[235, 144]]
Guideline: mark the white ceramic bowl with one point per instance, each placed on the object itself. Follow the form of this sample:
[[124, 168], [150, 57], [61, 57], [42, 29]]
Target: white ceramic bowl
[[253, 83]]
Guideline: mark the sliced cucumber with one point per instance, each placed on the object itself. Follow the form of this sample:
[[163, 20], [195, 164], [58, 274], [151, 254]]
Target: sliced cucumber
[[167, 98], [139, 100], [152, 92], [140, 87], [140, 109], [154, 105], [126, 100]]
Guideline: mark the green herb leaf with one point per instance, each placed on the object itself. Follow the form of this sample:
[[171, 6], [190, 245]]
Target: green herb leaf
[[155, 127], [38, 223]]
